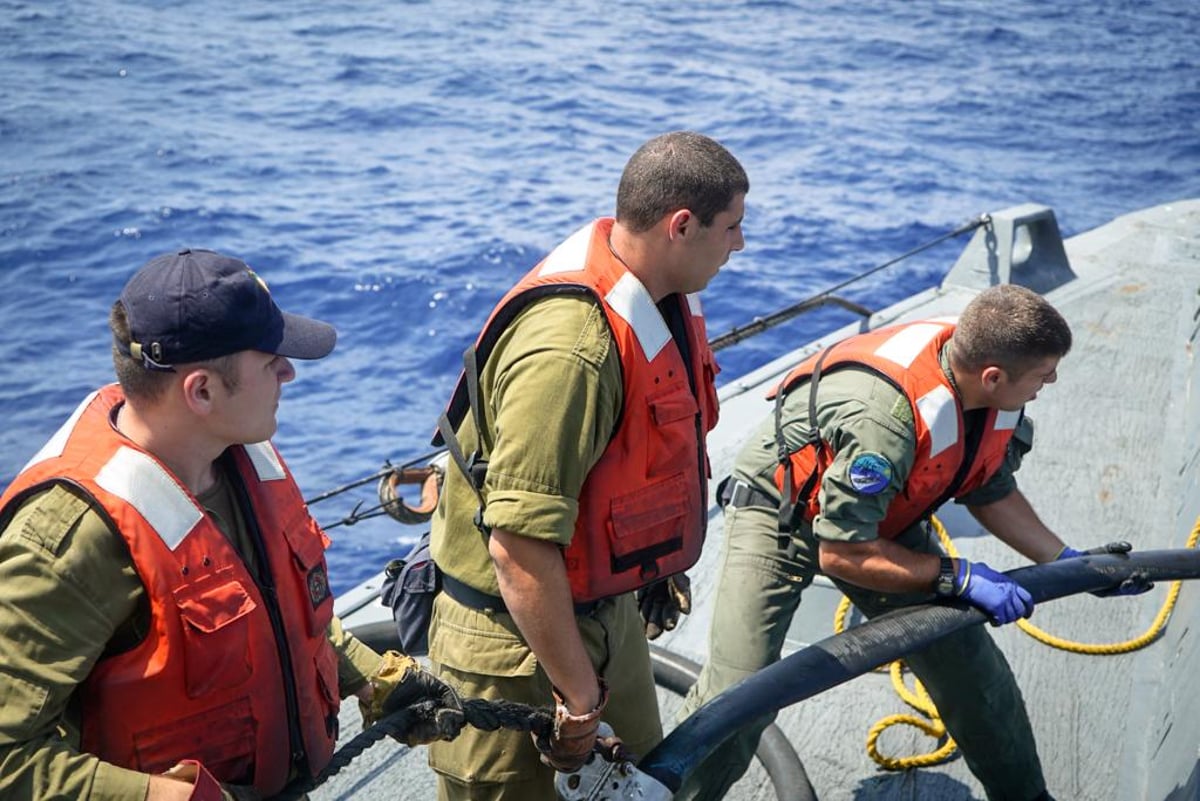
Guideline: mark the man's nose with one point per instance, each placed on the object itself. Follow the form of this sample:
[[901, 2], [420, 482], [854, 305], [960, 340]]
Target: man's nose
[[286, 371]]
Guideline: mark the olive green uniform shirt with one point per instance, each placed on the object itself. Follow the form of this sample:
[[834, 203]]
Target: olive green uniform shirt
[[69, 593], [860, 412], [543, 436]]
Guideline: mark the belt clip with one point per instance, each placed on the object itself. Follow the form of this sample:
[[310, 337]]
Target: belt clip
[[786, 544]]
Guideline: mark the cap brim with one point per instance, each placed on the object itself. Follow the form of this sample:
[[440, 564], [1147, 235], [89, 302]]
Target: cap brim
[[305, 338]]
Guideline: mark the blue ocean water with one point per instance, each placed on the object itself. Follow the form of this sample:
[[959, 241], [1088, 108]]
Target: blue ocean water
[[392, 167]]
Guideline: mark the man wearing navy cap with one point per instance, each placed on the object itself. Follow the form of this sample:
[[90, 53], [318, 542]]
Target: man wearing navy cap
[[168, 624]]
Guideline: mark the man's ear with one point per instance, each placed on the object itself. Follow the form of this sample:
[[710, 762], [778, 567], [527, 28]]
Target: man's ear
[[197, 390], [680, 222], [991, 376]]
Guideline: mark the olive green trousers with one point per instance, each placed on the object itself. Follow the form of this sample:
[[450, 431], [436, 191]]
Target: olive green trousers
[[965, 673], [482, 655]]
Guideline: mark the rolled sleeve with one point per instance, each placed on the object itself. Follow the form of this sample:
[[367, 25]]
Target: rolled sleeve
[[538, 515]]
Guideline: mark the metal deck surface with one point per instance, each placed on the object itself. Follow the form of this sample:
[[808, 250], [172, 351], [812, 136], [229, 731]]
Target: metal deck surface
[[1115, 457]]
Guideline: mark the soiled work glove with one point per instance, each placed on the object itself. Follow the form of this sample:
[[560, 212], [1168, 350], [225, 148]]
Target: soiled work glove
[[400, 682], [1136, 584], [574, 736], [662, 602], [1001, 598]]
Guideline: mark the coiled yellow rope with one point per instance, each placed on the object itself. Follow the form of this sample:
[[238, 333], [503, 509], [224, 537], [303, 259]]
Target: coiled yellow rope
[[931, 722]]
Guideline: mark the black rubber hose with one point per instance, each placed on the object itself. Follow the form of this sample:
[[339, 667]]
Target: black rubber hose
[[842, 657], [779, 759]]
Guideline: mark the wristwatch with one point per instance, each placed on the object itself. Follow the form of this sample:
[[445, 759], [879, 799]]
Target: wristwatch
[[944, 587]]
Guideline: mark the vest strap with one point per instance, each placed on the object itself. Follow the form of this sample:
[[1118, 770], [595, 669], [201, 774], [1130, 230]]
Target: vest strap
[[790, 506], [740, 495], [475, 468]]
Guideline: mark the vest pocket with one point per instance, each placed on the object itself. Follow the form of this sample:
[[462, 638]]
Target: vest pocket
[[216, 633], [648, 524], [222, 739], [306, 542], [673, 440]]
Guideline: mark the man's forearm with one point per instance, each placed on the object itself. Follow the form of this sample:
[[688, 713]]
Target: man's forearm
[[879, 565], [1013, 521], [533, 583]]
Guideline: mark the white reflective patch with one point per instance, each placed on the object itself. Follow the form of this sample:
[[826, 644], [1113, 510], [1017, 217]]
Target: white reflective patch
[[694, 304], [630, 300], [1006, 420], [149, 488], [570, 255], [266, 461], [55, 445], [940, 415], [903, 346]]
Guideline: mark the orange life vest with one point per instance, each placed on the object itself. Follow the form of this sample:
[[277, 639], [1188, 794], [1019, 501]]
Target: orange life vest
[[227, 676], [909, 357], [642, 508]]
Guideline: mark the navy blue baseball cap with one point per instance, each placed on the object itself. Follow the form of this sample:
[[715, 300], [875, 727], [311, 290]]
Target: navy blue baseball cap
[[196, 305]]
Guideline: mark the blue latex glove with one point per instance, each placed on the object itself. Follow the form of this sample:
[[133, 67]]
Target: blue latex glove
[[1136, 584], [1001, 598]]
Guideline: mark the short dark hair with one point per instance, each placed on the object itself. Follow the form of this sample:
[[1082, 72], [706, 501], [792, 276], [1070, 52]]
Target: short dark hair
[[678, 170], [140, 382], [1011, 327]]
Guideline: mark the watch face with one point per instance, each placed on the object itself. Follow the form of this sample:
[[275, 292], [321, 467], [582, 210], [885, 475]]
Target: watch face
[[945, 580]]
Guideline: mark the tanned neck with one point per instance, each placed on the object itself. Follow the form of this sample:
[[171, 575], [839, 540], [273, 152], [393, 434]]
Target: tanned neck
[[638, 252], [178, 443]]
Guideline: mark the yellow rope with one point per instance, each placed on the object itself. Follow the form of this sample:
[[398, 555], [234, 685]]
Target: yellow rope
[[919, 699]]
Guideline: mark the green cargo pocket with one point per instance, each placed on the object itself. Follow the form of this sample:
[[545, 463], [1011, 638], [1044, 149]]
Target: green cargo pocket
[[22, 703], [472, 641], [483, 656]]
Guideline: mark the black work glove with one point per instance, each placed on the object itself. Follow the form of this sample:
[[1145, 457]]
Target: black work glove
[[401, 682], [1136, 584], [662, 602]]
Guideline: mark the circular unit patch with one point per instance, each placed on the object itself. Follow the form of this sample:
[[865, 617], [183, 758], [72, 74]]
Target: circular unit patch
[[870, 473]]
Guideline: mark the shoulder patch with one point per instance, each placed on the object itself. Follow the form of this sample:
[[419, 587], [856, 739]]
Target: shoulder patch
[[49, 517], [902, 410], [870, 473]]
